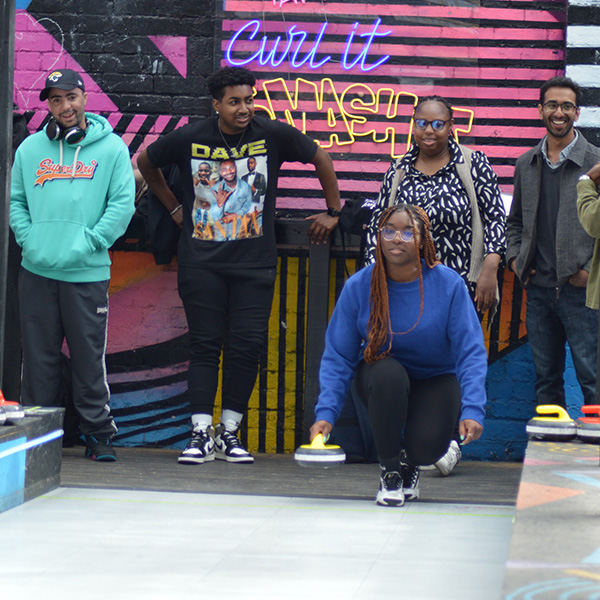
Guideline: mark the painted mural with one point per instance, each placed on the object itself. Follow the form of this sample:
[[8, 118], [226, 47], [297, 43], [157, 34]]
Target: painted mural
[[346, 73]]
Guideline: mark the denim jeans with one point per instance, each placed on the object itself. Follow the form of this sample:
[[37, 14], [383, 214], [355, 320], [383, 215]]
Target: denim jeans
[[551, 322]]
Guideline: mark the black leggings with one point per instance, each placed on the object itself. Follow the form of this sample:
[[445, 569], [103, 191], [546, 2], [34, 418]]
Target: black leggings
[[417, 415]]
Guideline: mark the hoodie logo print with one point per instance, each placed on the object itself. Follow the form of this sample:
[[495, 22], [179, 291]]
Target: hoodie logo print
[[48, 171]]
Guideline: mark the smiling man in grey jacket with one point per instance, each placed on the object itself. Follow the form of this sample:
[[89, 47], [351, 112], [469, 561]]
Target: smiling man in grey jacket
[[549, 250]]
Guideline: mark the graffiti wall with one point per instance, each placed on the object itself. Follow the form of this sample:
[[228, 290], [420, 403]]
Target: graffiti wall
[[348, 74]]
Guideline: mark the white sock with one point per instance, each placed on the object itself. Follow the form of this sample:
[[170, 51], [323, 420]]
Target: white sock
[[231, 419], [201, 421]]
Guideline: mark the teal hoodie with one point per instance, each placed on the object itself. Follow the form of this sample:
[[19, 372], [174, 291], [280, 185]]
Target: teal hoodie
[[69, 203]]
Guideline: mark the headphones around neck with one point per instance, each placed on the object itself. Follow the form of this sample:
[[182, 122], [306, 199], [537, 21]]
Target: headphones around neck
[[71, 135]]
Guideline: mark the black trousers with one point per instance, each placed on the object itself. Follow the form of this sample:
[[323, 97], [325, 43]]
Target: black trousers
[[51, 311], [226, 310], [414, 415]]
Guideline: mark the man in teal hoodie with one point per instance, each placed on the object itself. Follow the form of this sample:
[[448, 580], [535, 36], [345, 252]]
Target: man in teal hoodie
[[72, 196]]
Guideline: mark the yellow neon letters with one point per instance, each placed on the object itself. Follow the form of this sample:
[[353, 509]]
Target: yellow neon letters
[[348, 113]]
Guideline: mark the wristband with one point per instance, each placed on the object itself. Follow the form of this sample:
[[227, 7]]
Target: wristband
[[332, 212], [175, 210]]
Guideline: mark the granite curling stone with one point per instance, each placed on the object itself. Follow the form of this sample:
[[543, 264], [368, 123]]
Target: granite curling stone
[[556, 426], [13, 411], [588, 427], [317, 454]]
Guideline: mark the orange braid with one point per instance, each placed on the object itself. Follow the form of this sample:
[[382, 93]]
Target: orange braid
[[379, 326]]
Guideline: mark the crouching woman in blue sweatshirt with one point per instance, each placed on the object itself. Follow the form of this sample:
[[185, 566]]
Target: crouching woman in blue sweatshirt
[[404, 332]]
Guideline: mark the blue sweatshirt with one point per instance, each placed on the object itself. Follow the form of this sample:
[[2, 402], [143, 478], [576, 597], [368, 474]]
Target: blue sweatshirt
[[448, 338], [69, 203]]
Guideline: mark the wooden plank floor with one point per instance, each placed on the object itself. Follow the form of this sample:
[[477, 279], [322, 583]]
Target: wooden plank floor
[[279, 475]]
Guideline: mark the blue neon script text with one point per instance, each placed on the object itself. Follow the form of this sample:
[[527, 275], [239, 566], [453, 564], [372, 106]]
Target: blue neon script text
[[292, 48]]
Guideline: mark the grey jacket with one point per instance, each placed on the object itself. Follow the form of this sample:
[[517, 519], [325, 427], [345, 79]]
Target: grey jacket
[[574, 247]]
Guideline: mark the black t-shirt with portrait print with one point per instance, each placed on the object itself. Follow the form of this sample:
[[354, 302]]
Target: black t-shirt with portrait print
[[225, 224]]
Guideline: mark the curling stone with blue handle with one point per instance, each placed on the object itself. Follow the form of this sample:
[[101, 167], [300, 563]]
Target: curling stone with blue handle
[[557, 426], [317, 454], [588, 427]]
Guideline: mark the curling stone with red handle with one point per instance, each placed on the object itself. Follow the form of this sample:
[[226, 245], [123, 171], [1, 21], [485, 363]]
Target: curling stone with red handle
[[588, 427], [13, 411]]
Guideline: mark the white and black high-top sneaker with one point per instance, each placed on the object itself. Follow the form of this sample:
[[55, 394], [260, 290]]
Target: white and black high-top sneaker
[[200, 448], [410, 481], [390, 490], [228, 446]]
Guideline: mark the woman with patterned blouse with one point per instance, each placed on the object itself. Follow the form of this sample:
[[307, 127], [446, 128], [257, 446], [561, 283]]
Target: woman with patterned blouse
[[429, 175]]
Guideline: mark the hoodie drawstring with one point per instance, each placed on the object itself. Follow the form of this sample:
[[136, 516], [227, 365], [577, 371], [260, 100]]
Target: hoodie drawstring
[[74, 161]]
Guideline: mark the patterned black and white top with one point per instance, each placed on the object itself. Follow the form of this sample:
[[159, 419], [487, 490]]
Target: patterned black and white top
[[445, 200]]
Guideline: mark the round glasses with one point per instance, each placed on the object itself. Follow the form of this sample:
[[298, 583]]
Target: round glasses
[[436, 124], [566, 107], [389, 234]]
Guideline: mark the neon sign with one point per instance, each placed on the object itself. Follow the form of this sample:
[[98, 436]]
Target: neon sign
[[293, 49], [282, 2], [351, 111]]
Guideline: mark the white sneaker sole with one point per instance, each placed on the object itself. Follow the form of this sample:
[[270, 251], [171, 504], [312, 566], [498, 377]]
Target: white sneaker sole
[[411, 494], [389, 502], [234, 459], [191, 460]]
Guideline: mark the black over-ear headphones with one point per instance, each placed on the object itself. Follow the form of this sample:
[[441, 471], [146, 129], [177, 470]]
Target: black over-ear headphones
[[71, 135]]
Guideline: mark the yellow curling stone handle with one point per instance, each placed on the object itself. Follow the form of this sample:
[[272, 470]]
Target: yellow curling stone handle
[[559, 414], [318, 444]]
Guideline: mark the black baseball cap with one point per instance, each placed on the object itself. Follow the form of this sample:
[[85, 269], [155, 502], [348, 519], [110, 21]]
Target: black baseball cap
[[63, 79]]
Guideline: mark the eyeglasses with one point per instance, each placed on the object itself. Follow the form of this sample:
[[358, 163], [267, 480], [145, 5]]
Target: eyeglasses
[[566, 107], [436, 124], [389, 234]]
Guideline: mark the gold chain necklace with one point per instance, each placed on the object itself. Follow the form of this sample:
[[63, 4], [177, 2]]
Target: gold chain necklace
[[225, 141]]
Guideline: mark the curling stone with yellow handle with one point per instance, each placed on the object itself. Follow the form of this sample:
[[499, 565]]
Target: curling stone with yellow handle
[[556, 426], [588, 427], [317, 454]]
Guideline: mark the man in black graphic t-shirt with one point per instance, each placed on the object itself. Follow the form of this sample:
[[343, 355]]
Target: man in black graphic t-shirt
[[227, 253]]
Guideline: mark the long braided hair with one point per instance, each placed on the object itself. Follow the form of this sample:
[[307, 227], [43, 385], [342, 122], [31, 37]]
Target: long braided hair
[[379, 328]]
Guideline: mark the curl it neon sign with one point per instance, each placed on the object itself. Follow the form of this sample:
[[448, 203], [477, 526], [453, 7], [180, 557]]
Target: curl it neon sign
[[293, 50]]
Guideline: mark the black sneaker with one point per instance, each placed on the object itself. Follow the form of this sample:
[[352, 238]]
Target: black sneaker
[[99, 447], [410, 481], [200, 448], [390, 490], [228, 447]]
